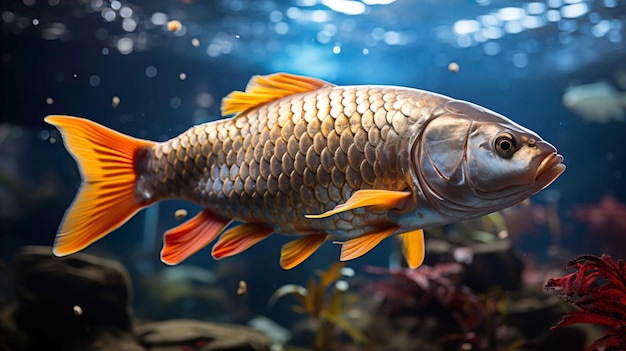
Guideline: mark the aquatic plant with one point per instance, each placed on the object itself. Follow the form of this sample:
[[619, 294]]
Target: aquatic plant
[[598, 290], [484, 229], [327, 304], [481, 321], [433, 283]]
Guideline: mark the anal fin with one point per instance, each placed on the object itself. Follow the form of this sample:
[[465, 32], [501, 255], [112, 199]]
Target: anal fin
[[361, 245], [191, 236], [239, 239], [413, 247], [377, 199], [295, 252]]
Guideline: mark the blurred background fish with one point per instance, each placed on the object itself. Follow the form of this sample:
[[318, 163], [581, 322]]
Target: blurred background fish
[[597, 102]]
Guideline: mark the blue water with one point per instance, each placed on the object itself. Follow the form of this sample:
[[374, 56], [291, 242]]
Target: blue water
[[515, 57]]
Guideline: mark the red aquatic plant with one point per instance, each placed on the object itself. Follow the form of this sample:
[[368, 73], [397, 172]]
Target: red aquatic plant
[[432, 283], [598, 289]]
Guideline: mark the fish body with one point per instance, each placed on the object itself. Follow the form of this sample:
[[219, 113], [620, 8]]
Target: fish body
[[307, 158], [597, 102], [288, 158]]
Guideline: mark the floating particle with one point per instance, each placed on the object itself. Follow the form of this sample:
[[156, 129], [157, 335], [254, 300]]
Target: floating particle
[[453, 67], [115, 102], [94, 81], [125, 45], [49, 101], [195, 42], [180, 213], [174, 26], [205, 100], [243, 288], [151, 71], [182, 76], [341, 285], [78, 311], [175, 102]]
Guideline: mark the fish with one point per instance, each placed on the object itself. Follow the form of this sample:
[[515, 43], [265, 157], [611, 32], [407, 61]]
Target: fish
[[597, 102], [312, 160]]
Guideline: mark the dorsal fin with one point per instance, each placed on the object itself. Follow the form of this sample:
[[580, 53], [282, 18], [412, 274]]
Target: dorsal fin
[[263, 89]]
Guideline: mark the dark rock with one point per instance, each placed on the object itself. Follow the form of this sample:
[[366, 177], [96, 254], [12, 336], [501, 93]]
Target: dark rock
[[77, 302], [493, 264], [572, 338], [185, 334], [82, 303], [534, 312]]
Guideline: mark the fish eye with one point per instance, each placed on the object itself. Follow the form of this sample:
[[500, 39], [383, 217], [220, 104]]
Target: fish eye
[[505, 145]]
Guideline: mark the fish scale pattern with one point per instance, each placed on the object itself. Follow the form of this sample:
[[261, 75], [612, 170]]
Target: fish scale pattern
[[303, 154]]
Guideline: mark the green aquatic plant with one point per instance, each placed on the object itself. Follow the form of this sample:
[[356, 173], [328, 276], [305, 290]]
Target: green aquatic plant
[[327, 302], [485, 229]]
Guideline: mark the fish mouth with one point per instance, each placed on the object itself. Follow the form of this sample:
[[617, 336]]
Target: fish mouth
[[550, 168]]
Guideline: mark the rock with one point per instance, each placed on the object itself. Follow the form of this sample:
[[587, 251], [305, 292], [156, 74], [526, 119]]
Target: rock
[[534, 312], [572, 338], [185, 334], [493, 264], [78, 302], [82, 303]]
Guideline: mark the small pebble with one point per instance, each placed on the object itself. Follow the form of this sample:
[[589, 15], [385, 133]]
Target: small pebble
[[180, 213], [243, 288], [174, 26]]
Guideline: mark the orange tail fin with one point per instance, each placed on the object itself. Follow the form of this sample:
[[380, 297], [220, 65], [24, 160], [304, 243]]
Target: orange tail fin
[[106, 198]]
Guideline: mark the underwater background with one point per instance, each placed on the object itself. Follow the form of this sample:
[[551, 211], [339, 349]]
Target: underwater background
[[557, 67]]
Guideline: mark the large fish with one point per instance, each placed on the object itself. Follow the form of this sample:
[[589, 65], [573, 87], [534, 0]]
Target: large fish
[[306, 158]]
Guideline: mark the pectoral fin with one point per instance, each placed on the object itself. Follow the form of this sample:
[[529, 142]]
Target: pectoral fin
[[361, 245], [191, 236], [295, 252], [413, 247], [377, 199], [239, 239]]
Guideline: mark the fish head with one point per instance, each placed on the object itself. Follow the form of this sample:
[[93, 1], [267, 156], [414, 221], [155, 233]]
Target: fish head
[[471, 161]]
